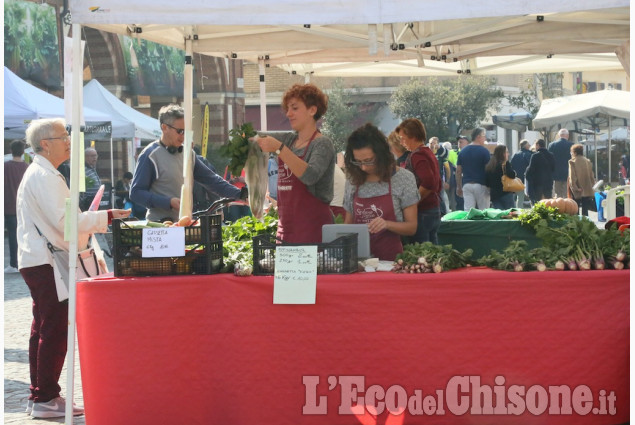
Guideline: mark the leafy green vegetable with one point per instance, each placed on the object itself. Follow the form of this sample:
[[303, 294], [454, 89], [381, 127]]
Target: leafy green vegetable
[[539, 212], [238, 239], [426, 257], [237, 147]]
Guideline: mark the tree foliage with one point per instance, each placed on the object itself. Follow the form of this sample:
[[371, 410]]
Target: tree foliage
[[339, 121], [446, 107]]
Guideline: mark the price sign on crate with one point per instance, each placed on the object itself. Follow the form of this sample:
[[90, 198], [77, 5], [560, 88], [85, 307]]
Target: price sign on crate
[[163, 242], [296, 275]]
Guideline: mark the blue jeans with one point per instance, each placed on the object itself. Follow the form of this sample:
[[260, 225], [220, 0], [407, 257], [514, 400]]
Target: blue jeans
[[428, 222], [505, 202]]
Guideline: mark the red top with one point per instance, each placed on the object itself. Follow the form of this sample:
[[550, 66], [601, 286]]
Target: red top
[[424, 165]]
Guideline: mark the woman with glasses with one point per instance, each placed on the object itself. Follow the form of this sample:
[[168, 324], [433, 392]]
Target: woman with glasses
[[41, 211], [306, 161], [378, 193], [424, 165]]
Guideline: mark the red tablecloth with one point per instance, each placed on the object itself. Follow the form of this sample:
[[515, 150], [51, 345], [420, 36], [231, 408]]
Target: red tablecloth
[[215, 350]]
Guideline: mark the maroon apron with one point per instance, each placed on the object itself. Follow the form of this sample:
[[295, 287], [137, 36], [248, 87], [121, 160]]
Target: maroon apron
[[301, 214], [384, 245]]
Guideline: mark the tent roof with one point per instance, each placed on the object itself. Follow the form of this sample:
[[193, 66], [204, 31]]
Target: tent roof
[[127, 122], [24, 102], [567, 109], [330, 31]]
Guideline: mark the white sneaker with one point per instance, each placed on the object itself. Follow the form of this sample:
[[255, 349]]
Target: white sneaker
[[10, 269], [29, 407], [55, 408]]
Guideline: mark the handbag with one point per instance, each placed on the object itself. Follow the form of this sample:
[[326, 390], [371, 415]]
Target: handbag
[[88, 265], [511, 185]]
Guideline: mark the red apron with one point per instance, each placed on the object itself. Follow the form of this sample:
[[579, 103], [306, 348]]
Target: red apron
[[301, 214], [384, 245]]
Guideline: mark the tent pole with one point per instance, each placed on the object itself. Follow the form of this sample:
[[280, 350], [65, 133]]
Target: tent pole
[[609, 148], [263, 95], [188, 90], [112, 175], [76, 140]]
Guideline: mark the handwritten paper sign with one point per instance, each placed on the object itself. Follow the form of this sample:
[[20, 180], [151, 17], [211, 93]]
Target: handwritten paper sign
[[295, 278], [163, 242]]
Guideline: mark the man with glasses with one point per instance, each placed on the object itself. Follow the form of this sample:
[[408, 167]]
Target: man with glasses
[[93, 182], [158, 177]]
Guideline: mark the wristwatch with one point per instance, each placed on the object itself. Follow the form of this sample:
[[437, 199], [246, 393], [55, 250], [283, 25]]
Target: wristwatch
[[280, 148]]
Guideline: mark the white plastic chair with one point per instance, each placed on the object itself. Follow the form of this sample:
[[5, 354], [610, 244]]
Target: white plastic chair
[[609, 203]]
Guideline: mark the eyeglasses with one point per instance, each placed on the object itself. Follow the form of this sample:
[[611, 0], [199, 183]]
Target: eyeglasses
[[179, 131], [362, 163], [66, 138]]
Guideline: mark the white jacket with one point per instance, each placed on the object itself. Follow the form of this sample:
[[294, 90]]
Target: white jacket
[[41, 201]]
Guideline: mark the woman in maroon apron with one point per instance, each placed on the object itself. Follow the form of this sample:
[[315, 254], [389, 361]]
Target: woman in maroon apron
[[306, 162], [378, 193]]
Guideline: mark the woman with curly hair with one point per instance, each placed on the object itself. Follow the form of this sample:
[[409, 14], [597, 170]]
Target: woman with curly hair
[[306, 161], [379, 194]]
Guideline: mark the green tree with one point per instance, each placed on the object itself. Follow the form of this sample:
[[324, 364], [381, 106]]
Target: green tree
[[446, 107], [338, 122]]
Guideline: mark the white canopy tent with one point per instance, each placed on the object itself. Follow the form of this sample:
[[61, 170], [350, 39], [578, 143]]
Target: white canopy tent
[[330, 31], [596, 110], [127, 122], [23, 102]]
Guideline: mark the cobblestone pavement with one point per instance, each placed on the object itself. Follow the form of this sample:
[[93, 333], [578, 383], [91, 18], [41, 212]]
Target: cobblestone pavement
[[17, 326]]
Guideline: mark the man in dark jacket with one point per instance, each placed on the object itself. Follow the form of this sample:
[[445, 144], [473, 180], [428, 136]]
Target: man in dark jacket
[[539, 173], [561, 150], [520, 162]]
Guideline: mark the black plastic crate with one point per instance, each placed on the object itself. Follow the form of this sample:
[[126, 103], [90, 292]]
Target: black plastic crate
[[203, 255], [336, 257]]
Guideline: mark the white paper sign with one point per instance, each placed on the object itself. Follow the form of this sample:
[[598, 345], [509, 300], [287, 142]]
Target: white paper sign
[[163, 242], [295, 278]]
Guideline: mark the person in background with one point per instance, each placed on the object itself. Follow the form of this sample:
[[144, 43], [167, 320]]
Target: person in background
[[158, 178], [520, 162], [470, 172], [451, 190], [539, 173], [41, 211], [93, 182], [13, 172], [306, 161], [425, 167], [398, 150], [494, 170], [461, 142], [581, 179], [444, 170], [378, 193], [122, 190], [625, 169], [561, 151]]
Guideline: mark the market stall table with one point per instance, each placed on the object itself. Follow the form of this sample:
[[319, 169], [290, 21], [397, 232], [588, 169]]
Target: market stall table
[[215, 350]]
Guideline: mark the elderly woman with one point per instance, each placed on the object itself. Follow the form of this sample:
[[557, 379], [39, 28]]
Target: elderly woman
[[424, 165], [41, 213], [379, 194], [306, 161], [581, 179]]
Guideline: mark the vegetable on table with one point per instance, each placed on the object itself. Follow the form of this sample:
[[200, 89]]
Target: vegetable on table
[[426, 258]]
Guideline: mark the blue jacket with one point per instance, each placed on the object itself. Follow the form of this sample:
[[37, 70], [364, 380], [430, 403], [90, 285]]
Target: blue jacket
[[520, 162], [561, 151]]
